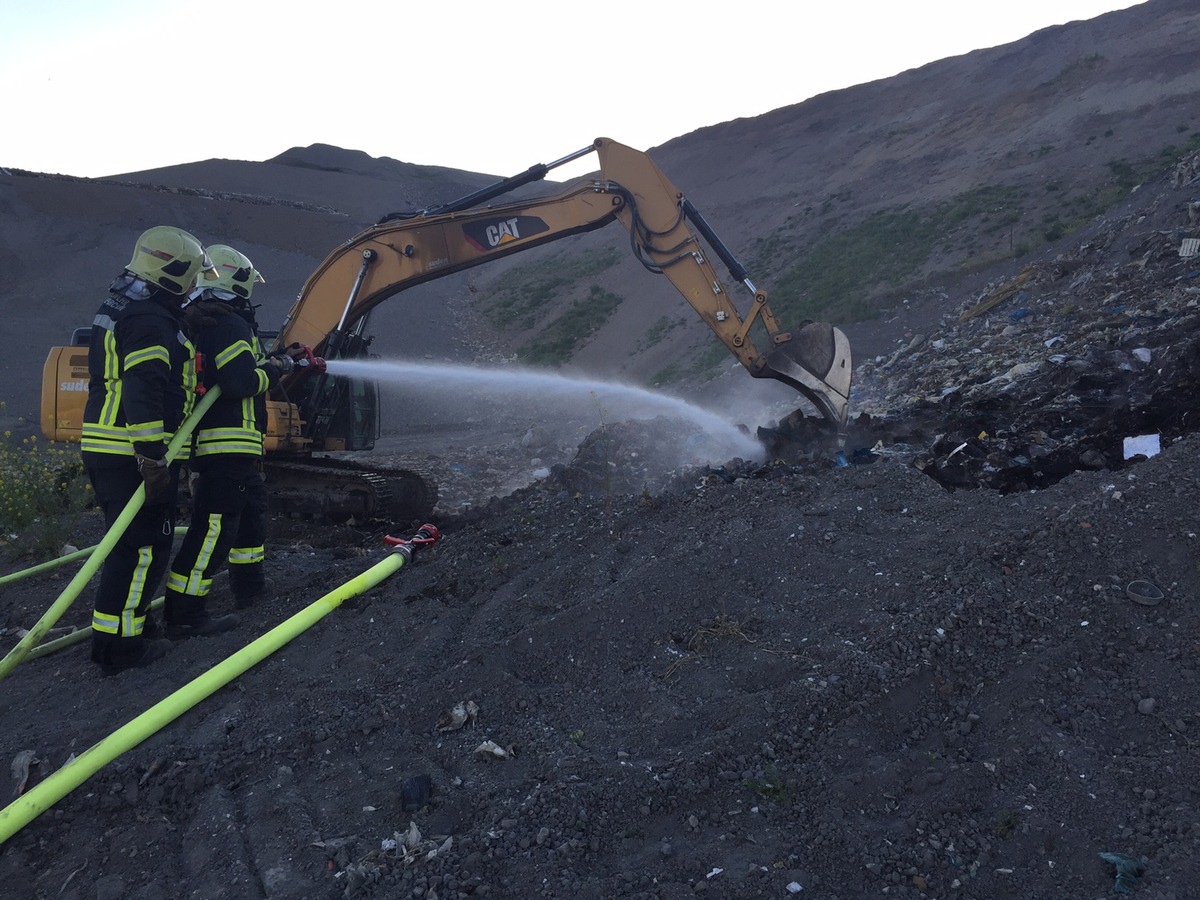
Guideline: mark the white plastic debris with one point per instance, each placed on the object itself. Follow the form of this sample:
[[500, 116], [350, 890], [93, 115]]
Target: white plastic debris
[[462, 713], [1142, 445], [1142, 354], [492, 750], [794, 887]]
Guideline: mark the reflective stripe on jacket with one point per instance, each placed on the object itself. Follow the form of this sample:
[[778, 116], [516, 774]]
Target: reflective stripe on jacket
[[142, 371], [231, 356]]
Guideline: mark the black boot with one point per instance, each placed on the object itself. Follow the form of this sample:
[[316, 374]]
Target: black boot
[[152, 628], [201, 626], [186, 617], [244, 598], [116, 654], [249, 587]]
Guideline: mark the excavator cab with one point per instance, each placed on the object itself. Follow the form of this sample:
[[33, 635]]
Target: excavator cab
[[349, 409], [340, 412]]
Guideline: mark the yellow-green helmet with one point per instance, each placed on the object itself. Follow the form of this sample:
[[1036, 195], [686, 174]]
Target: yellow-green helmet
[[170, 258], [235, 272]]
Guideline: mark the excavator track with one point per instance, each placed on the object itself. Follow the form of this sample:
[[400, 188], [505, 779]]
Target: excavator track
[[341, 491]]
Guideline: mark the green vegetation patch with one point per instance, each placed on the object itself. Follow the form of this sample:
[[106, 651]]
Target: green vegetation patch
[[43, 490], [834, 280], [524, 294], [557, 343], [657, 332], [705, 364]]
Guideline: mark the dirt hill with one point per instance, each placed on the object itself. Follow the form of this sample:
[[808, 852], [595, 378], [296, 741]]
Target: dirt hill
[[635, 668], [938, 178]]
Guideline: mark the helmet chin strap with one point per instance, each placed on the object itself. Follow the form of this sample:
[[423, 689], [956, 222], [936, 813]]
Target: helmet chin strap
[[210, 293], [131, 286]]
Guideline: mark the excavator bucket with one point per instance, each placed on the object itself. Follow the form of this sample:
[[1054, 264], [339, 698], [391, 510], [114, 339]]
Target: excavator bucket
[[816, 362]]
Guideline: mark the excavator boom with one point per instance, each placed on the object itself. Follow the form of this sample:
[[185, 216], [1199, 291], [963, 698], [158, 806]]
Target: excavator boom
[[314, 411], [664, 229]]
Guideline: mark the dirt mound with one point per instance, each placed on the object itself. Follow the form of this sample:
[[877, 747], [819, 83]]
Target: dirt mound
[[622, 674], [850, 680]]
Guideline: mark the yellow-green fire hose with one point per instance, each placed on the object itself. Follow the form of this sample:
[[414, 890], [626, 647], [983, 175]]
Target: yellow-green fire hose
[[22, 574], [46, 566], [41, 797], [80, 634], [34, 636]]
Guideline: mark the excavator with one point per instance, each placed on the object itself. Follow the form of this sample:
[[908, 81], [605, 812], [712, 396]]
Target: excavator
[[314, 412]]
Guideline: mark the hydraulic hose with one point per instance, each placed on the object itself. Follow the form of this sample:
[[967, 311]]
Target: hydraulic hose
[[34, 636], [41, 797]]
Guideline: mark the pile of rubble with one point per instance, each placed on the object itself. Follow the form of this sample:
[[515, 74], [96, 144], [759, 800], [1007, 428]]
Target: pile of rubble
[[1071, 364]]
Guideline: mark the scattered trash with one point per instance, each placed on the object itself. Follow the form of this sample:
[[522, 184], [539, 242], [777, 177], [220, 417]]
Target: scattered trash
[[1142, 445], [1142, 354], [492, 750], [20, 770], [794, 887], [1129, 870], [716, 871], [463, 713], [1189, 247], [151, 770], [416, 792], [1018, 314], [1002, 293], [1144, 592]]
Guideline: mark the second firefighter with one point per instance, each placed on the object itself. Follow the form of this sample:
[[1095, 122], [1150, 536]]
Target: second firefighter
[[229, 502]]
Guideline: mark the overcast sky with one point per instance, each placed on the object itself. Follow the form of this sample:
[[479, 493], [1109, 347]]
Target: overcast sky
[[104, 87]]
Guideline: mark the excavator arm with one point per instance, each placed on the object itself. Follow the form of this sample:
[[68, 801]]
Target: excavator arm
[[665, 231], [313, 411]]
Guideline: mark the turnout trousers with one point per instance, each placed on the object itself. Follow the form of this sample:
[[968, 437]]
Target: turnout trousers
[[134, 569], [229, 513]]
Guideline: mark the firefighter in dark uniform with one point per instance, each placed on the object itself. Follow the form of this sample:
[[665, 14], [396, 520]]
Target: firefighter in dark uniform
[[229, 503], [142, 381]]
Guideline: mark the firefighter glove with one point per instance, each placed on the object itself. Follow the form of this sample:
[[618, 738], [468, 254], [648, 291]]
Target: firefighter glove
[[156, 476], [284, 363]]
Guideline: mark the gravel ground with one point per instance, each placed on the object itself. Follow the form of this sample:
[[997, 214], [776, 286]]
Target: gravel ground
[[848, 680], [623, 674]]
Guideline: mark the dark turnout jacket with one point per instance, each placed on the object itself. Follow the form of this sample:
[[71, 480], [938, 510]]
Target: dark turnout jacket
[[142, 375], [231, 357]]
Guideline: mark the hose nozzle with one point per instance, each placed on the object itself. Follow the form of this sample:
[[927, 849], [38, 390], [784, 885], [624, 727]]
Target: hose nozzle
[[426, 536], [303, 358]]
